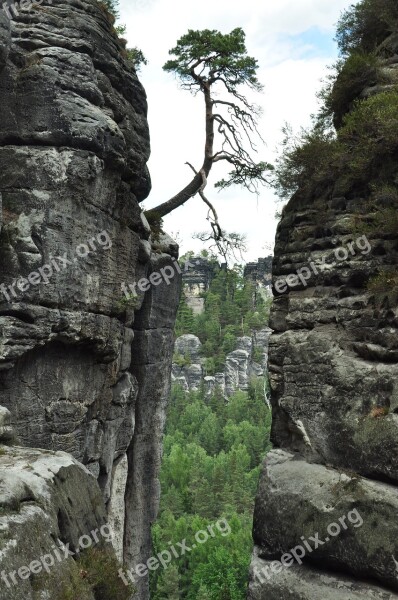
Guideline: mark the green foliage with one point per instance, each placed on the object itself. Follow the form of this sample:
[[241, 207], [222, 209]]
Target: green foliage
[[386, 195], [365, 144], [210, 470], [384, 286], [137, 57], [217, 65], [222, 577], [182, 361], [243, 172], [212, 452], [370, 134], [362, 150], [232, 309], [365, 25], [258, 355], [185, 318], [112, 6], [380, 215], [121, 29], [304, 160], [95, 575], [373, 120], [224, 55], [351, 76], [131, 301], [155, 222], [100, 570], [69, 586], [169, 584]]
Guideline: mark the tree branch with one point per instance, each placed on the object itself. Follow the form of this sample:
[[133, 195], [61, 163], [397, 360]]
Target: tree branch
[[217, 231]]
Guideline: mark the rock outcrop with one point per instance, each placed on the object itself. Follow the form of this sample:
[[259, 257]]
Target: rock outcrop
[[83, 369], [332, 480], [51, 507], [196, 280], [260, 273], [240, 365]]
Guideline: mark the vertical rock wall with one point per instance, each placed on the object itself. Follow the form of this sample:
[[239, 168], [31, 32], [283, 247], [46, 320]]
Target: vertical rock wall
[[332, 479], [82, 369]]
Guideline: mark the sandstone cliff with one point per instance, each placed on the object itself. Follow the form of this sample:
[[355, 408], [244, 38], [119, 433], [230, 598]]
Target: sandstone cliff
[[331, 481], [82, 369]]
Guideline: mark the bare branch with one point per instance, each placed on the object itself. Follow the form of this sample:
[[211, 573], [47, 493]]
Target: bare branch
[[217, 232]]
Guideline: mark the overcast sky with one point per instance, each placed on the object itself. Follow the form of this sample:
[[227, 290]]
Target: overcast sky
[[293, 42]]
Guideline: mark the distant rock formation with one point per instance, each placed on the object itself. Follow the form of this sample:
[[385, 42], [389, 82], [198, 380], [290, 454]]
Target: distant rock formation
[[260, 273], [196, 281], [240, 365]]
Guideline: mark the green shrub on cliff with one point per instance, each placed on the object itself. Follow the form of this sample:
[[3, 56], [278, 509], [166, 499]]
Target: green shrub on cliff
[[99, 568], [365, 25], [384, 286], [112, 6], [134, 55], [361, 151], [370, 134], [365, 143], [351, 77], [304, 158]]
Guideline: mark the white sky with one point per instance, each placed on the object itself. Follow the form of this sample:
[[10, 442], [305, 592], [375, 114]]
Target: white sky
[[291, 39]]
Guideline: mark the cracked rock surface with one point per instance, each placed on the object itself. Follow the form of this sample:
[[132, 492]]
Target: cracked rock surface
[[48, 500], [76, 366], [333, 364]]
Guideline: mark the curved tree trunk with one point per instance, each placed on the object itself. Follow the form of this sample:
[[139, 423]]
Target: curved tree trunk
[[196, 183]]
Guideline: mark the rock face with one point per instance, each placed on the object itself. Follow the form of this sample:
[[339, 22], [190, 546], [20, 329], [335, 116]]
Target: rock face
[[334, 371], [300, 583], [82, 368], [48, 501], [240, 365]]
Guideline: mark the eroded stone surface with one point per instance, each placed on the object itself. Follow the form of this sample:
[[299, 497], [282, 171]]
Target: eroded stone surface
[[333, 372], [74, 146], [361, 513], [47, 500], [306, 583]]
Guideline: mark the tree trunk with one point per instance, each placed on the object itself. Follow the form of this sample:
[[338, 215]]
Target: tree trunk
[[194, 186]]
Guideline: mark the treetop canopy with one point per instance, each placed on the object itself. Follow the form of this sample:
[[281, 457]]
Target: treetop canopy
[[208, 56]]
